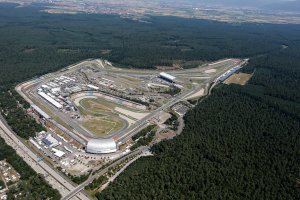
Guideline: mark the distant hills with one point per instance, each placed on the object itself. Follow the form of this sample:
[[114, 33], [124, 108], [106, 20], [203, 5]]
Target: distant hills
[[292, 6]]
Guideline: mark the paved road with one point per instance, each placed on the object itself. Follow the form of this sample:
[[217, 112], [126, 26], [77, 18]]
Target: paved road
[[123, 137], [120, 136], [102, 172], [62, 183], [54, 178]]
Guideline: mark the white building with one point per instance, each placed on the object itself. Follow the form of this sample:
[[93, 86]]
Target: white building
[[58, 153], [101, 146], [167, 77], [93, 87], [50, 100], [40, 112], [52, 140]]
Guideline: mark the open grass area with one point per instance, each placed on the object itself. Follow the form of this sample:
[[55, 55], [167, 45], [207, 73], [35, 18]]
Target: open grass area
[[97, 105], [99, 116], [131, 79], [100, 105], [103, 126]]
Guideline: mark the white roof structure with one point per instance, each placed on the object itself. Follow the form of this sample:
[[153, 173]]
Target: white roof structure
[[54, 90], [45, 87], [35, 144], [52, 140], [58, 153], [93, 87], [50, 100], [37, 109], [101, 146], [167, 76]]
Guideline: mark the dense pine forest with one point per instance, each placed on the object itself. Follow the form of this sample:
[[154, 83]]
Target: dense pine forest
[[33, 42], [242, 142]]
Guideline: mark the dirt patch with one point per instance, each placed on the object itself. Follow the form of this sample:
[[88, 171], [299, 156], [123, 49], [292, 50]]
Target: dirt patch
[[164, 134], [200, 93], [209, 71], [163, 116], [239, 78]]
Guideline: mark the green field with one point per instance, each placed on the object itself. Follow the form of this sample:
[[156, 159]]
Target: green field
[[99, 116], [103, 126], [97, 105]]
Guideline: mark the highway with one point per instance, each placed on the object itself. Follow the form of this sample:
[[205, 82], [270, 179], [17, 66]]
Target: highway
[[54, 178]]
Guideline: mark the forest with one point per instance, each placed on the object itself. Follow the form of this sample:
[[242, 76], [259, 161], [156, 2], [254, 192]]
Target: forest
[[34, 43], [242, 142]]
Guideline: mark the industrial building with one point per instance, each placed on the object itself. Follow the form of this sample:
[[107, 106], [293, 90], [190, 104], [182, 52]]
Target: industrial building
[[167, 77], [101, 146]]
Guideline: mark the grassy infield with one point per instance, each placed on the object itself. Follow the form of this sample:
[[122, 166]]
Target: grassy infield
[[101, 121]]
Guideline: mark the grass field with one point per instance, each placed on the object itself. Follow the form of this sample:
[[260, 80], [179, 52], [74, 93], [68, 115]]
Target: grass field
[[97, 105], [103, 126], [99, 116]]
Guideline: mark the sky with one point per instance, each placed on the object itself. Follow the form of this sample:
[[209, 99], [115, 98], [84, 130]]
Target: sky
[[256, 3]]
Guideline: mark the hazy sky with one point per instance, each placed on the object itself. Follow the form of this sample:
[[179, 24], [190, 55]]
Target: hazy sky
[[243, 2]]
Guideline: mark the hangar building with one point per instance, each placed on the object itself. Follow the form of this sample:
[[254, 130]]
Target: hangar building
[[101, 146], [167, 77]]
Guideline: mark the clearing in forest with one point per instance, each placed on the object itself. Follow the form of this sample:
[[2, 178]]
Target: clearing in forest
[[239, 78]]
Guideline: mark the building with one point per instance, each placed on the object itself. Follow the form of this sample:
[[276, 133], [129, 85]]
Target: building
[[93, 87], [167, 77], [101, 146], [39, 111], [50, 141], [50, 100], [229, 73], [58, 153]]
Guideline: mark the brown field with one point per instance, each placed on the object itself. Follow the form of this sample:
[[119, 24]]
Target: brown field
[[165, 134], [240, 79]]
